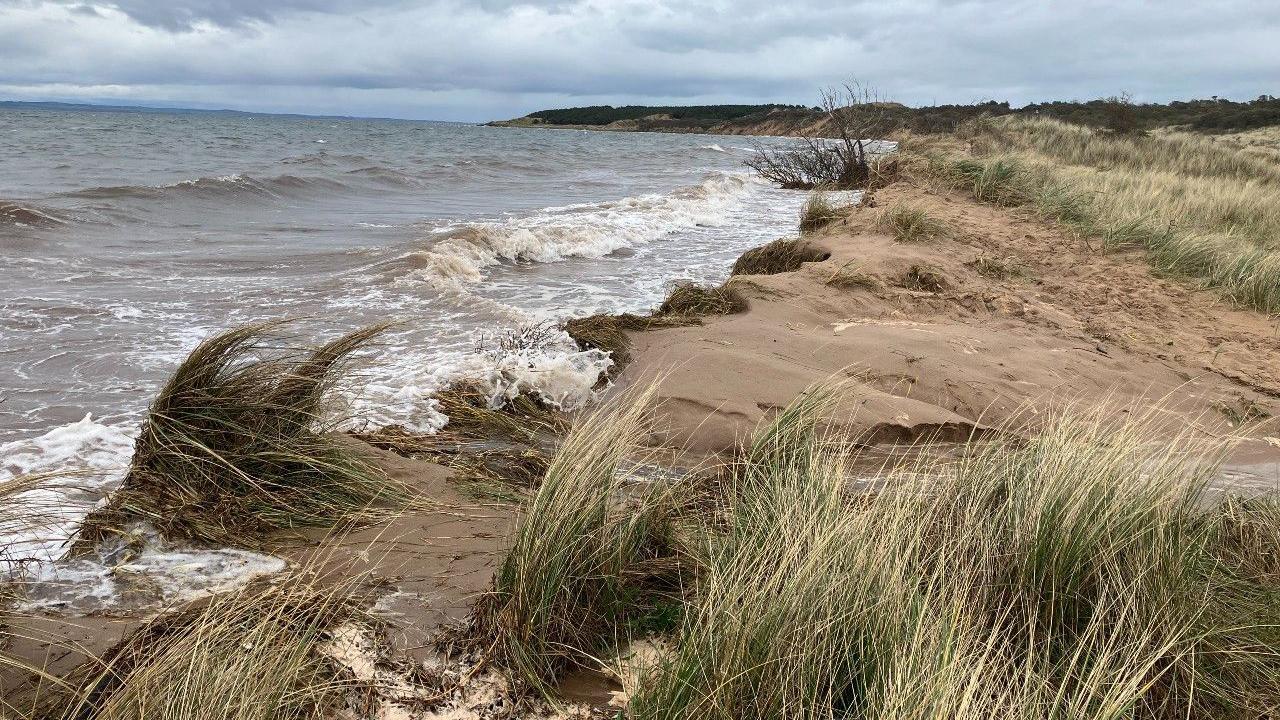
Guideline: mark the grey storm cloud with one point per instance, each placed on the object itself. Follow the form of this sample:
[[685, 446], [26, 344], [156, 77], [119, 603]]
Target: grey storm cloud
[[454, 59]]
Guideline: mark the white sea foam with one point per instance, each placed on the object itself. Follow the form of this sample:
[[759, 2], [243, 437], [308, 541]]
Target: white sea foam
[[85, 460], [156, 574], [540, 359], [714, 147], [461, 254]]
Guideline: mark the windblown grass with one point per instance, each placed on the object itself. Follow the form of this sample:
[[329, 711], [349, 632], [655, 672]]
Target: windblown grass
[[687, 299], [582, 554], [240, 441], [1201, 209], [1080, 573], [817, 212], [910, 224], [253, 654], [780, 256]]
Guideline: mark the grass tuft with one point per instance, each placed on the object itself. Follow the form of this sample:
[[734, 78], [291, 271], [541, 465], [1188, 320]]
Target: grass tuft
[[689, 299], [240, 441], [779, 256], [608, 332], [253, 654], [582, 553], [996, 268], [910, 224], [817, 212], [925, 279]]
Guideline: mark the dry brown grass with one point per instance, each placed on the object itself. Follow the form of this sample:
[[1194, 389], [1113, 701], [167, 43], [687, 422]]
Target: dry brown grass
[[780, 256], [252, 654], [688, 299]]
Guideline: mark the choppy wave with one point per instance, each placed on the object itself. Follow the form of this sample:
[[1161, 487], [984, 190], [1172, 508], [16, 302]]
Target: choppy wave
[[461, 254], [21, 215], [219, 187]]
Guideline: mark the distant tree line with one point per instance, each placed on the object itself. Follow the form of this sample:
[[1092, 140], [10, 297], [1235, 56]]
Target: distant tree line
[[1116, 113], [605, 114]]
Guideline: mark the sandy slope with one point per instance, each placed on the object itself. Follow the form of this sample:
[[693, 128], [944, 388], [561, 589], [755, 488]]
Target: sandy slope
[[1076, 326]]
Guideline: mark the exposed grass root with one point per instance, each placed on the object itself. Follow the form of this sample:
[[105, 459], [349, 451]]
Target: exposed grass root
[[1078, 573], [779, 256], [688, 299], [240, 442], [910, 224], [253, 654], [586, 553], [924, 278]]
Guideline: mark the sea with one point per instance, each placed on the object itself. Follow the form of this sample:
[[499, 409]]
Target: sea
[[127, 238]]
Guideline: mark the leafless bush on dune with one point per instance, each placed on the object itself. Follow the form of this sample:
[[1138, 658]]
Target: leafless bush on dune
[[835, 152]]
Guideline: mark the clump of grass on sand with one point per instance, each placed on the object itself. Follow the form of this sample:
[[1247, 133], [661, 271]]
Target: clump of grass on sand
[[910, 224], [522, 418], [849, 277], [1079, 573], [689, 299], [240, 441], [817, 212], [252, 654], [582, 553], [1205, 210], [779, 256], [608, 332], [996, 268]]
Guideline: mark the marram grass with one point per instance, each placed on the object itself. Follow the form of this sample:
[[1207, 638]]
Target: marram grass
[[1079, 574], [1204, 210], [817, 212], [241, 441], [911, 224], [780, 256], [583, 552], [255, 653]]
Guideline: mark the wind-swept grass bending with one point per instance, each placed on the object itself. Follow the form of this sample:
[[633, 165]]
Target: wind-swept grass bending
[[241, 441], [253, 654], [582, 552], [1076, 574]]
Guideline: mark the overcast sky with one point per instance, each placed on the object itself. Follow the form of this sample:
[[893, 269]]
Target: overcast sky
[[486, 59]]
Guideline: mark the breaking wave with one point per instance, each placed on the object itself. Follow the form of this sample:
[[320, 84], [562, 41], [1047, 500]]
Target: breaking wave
[[459, 255]]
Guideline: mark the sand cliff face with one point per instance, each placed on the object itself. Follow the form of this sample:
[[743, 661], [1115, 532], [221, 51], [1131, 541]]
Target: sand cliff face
[[999, 321]]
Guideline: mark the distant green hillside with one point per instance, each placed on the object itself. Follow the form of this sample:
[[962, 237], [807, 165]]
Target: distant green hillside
[[605, 114], [1209, 115]]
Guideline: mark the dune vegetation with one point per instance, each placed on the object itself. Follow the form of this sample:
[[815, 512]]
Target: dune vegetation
[[1078, 572], [590, 549], [241, 441], [1203, 210], [910, 224], [257, 653]]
